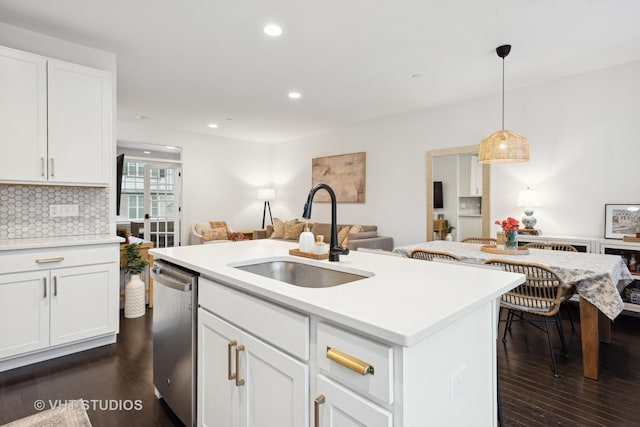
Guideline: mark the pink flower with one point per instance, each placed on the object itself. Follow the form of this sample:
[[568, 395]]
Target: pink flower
[[509, 224], [235, 236]]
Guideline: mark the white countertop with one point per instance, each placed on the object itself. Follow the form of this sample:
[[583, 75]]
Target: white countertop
[[403, 302], [50, 242]]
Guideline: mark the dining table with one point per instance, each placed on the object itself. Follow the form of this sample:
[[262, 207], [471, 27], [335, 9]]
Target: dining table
[[598, 280]]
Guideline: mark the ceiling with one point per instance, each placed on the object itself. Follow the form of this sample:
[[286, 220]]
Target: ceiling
[[186, 64]]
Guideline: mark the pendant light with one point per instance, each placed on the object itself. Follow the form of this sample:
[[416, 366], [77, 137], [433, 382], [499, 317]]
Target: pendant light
[[503, 146]]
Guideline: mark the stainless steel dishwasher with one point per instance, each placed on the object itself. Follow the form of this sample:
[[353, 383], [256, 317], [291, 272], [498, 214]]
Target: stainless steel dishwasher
[[174, 338]]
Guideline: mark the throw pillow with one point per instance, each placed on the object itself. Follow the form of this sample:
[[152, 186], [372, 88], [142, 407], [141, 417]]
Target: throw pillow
[[292, 229], [219, 233], [219, 224], [343, 235], [278, 229], [200, 227]]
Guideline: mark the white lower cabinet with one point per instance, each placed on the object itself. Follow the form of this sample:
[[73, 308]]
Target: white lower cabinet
[[82, 303], [61, 306], [337, 406], [246, 382], [24, 313], [252, 373]]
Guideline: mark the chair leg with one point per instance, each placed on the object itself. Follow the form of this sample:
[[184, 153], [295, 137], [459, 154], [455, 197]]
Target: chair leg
[[553, 356], [507, 326], [561, 334]]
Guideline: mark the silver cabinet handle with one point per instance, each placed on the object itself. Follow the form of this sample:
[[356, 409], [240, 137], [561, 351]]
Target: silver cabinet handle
[[51, 169], [42, 166], [55, 286], [44, 280], [46, 260]]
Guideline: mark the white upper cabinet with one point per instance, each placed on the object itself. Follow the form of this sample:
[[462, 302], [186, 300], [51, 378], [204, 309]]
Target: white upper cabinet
[[57, 121], [23, 116]]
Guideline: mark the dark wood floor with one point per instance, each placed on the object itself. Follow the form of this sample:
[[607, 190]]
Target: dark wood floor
[[115, 372], [531, 396]]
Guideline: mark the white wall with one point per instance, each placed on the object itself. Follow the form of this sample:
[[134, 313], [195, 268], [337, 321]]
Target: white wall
[[584, 151], [220, 176]]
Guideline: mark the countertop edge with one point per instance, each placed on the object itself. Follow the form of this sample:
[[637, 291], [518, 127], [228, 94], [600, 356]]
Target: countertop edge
[[53, 242]]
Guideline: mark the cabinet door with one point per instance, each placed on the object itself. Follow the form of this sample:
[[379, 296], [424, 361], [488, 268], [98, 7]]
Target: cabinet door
[[23, 116], [24, 312], [84, 302], [276, 386], [344, 408], [80, 124], [218, 396]]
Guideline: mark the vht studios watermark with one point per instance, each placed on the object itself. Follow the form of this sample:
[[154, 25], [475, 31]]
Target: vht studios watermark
[[90, 404]]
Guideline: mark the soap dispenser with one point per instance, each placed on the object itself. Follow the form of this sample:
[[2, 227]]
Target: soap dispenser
[[306, 241]]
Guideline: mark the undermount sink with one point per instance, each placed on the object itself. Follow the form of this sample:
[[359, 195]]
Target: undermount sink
[[299, 274]]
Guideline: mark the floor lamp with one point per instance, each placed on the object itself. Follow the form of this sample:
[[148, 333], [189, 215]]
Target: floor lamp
[[266, 194]]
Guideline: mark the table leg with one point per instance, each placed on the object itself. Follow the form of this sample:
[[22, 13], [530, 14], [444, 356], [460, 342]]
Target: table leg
[[604, 328], [590, 339]]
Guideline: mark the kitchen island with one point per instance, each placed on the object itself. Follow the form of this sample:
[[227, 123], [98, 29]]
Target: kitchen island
[[410, 344]]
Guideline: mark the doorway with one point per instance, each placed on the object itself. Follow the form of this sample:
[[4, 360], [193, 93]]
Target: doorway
[[151, 196]]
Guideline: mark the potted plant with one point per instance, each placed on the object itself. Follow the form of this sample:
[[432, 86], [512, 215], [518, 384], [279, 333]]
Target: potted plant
[[448, 229], [134, 290]]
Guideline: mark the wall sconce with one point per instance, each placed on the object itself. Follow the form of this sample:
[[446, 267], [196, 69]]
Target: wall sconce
[[266, 194], [528, 199]]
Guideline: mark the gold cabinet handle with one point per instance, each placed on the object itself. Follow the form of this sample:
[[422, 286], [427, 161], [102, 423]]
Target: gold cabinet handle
[[47, 260], [316, 410], [239, 381], [357, 365], [230, 345]]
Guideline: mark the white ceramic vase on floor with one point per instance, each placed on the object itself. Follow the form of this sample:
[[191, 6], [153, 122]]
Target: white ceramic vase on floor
[[134, 297]]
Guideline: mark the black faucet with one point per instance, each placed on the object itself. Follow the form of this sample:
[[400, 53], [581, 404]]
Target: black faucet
[[334, 249]]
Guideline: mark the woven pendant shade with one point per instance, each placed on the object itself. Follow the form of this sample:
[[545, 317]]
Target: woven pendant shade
[[504, 146]]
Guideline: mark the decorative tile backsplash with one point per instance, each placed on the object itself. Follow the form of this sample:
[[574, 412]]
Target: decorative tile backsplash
[[24, 211]]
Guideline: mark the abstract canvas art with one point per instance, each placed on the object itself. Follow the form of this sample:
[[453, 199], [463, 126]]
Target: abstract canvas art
[[345, 174]]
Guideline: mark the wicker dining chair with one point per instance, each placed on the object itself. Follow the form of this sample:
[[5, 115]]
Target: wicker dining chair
[[541, 294], [429, 255], [552, 246], [481, 240]]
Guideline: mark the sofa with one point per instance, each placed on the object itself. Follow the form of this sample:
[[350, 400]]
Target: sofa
[[349, 235], [210, 232]]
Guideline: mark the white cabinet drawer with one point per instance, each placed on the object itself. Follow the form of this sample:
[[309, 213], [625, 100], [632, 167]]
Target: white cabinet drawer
[[279, 326], [337, 348], [342, 407], [60, 257]]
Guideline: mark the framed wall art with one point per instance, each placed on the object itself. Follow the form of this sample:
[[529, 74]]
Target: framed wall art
[[621, 220], [345, 174]]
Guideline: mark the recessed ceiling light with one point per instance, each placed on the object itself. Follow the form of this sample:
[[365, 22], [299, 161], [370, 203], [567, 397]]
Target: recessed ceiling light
[[213, 125], [272, 30], [146, 152], [294, 95], [169, 147]]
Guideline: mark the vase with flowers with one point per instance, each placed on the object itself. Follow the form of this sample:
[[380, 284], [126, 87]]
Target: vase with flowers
[[510, 228]]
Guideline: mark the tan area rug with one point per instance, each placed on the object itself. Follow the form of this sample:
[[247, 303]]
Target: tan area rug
[[71, 414]]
